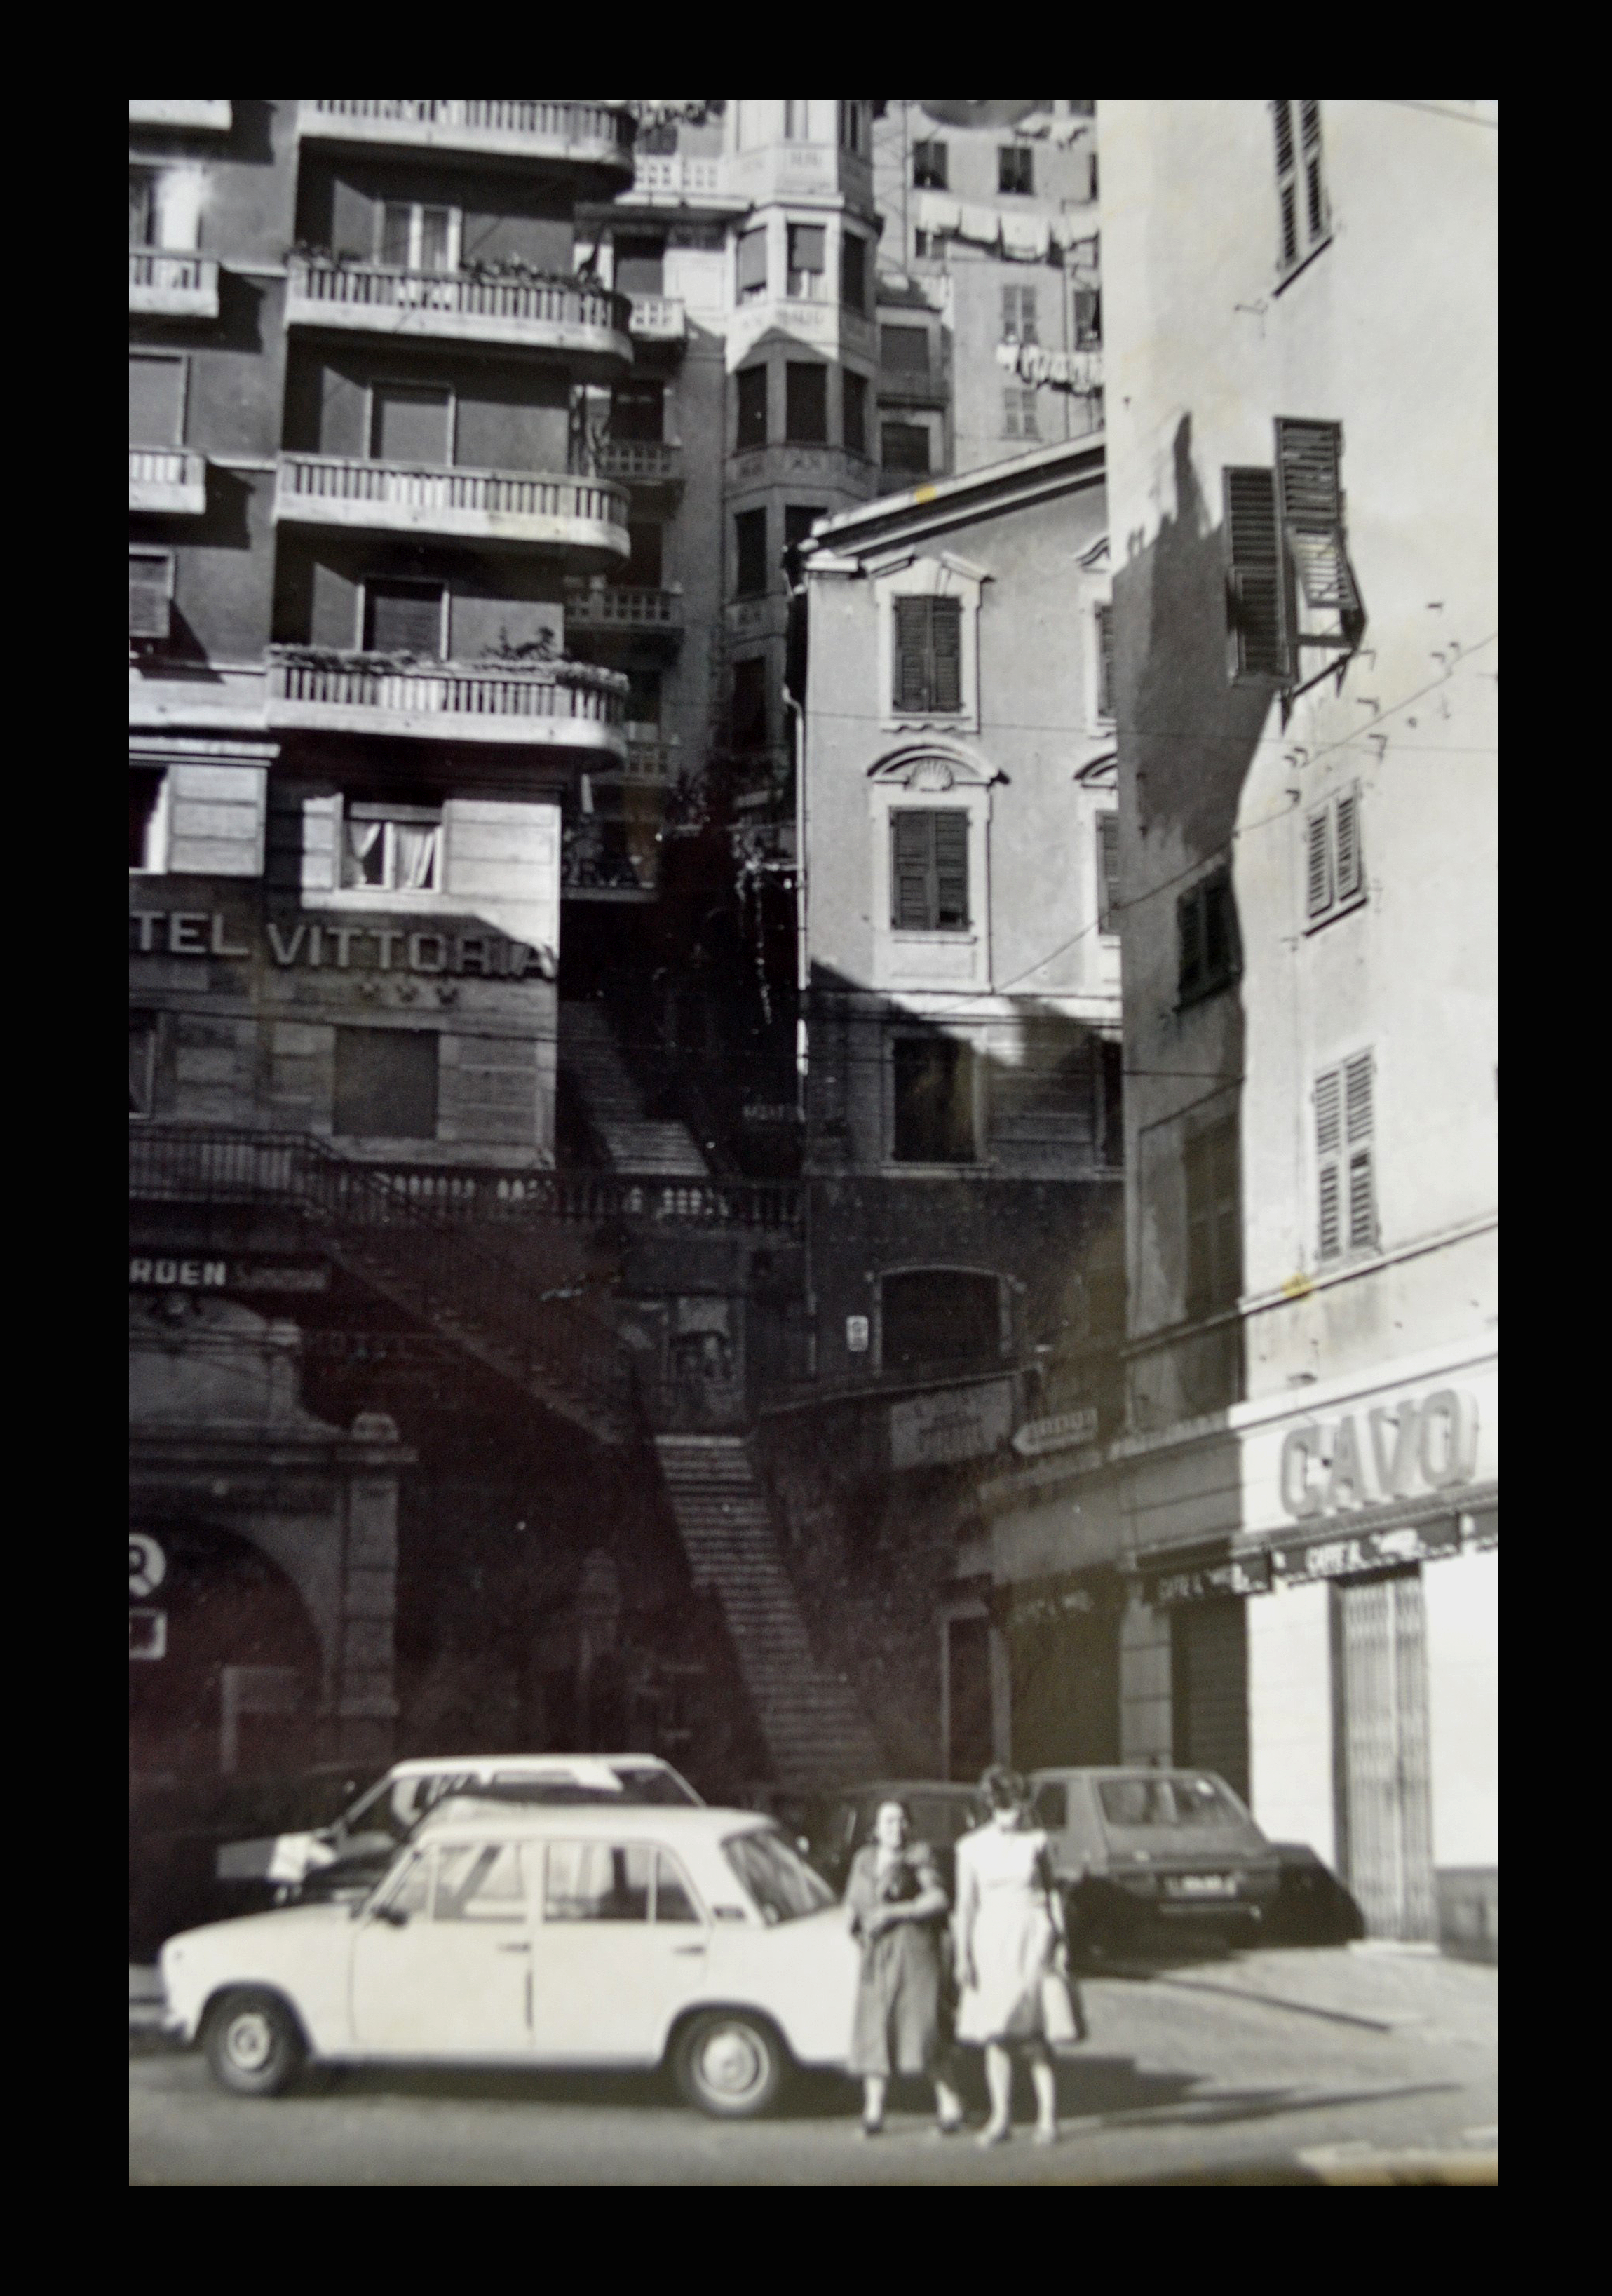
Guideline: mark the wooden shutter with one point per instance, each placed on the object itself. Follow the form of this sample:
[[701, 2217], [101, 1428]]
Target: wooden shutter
[[1318, 864], [1310, 508], [753, 261], [1315, 195], [1329, 1159], [1108, 871], [947, 626], [912, 691], [150, 593], [1105, 660], [951, 870], [1350, 866], [1358, 1126], [1189, 927], [1220, 950], [912, 872], [1256, 620], [1287, 179], [216, 820]]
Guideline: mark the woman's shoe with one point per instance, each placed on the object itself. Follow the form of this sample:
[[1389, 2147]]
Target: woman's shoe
[[992, 2134], [872, 2128], [1048, 2135], [951, 2127]]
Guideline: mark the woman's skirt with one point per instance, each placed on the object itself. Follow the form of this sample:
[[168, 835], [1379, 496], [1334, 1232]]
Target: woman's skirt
[[1013, 1947], [899, 2011]]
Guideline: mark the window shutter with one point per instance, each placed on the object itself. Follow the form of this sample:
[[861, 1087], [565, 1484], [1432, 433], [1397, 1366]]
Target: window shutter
[[807, 242], [1329, 1145], [1358, 1097], [217, 817], [395, 217], [1189, 923], [1108, 871], [946, 624], [912, 654], [1105, 660], [910, 872], [951, 829], [1257, 637], [1315, 198], [1318, 866], [150, 593], [1310, 507], [1350, 868], [752, 261], [1287, 179]]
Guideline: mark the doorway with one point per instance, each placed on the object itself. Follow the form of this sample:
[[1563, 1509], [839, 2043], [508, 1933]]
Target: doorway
[[1385, 1820]]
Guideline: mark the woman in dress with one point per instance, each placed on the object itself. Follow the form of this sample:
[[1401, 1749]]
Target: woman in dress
[[898, 1907], [1009, 1936]]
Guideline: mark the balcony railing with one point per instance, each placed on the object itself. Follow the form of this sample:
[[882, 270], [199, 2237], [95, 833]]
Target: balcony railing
[[623, 607], [679, 177], [512, 506], [564, 705], [457, 306], [212, 117], [519, 128], [640, 461], [165, 285], [659, 319], [653, 764], [168, 479]]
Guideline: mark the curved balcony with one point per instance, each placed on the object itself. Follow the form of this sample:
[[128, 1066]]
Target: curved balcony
[[477, 127], [458, 307], [170, 480], [208, 117], [165, 285], [624, 610], [640, 461], [522, 509], [563, 705]]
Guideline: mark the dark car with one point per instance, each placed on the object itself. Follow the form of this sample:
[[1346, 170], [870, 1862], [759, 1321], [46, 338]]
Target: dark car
[[1143, 1852], [838, 1825]]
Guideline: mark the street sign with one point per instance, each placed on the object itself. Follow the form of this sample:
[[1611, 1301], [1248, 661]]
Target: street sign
[[1060, 1432], [147, 1564]]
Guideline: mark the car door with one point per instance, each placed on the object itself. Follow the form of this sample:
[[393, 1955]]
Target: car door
[[441, 1960], [621, 1945]]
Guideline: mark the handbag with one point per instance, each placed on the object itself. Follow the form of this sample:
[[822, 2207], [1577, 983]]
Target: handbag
[[1062, 2012]]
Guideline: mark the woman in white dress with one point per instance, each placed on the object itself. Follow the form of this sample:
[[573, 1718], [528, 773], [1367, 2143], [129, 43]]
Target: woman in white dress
[[1009, 1936]]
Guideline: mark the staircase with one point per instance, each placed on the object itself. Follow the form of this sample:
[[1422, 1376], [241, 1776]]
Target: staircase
[[614, 1105], [540, 1340], [813, 1729]]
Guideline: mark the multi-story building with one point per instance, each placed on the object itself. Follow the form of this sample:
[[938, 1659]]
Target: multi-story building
[[1305, 1503]]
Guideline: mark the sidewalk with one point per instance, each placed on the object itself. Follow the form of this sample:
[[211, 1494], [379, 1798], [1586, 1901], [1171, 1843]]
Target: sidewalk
[[145, 2000]]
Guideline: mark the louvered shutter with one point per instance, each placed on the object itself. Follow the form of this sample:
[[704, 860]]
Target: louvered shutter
[[1256, 620], [951, 870], [1316, 197], [1287, 177], [1107, 879], [1318, 865], [1350, 875], [912, 654], [1310, 507], [1189, 924], [947, 628], [1329, 1157], [1358, 1125], [911, 873], [150, 593], [752, 261]]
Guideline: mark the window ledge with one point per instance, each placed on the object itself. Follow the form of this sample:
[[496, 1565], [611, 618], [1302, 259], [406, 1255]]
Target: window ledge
[[1339, 909], [896, 1170], [953, 937], [1285, 279]]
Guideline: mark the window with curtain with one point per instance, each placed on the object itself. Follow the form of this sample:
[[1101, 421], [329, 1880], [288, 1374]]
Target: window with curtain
[[807, 261], [416, 237], [165, 208], [393, 849]]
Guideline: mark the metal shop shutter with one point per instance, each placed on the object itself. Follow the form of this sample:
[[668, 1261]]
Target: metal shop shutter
[[1209, 1689]]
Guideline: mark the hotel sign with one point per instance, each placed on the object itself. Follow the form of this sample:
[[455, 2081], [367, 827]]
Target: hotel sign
[[325, 944]]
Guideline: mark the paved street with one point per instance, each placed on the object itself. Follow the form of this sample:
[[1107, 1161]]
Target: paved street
[[1353, 2065]]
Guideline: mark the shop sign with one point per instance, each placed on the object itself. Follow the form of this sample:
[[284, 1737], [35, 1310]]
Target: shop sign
[[857, 1329], [325, 946], [1061, 1432], [1368, 1550], [147, 1632], [1332, 1467], [1077, 371], [1246, 1574], [963, 1423], [152, 1273], [1024, 1612]]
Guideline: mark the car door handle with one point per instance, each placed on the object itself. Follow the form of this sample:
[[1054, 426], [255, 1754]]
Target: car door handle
[[514, 1949]]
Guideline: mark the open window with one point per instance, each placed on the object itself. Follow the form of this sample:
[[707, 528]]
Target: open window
[[392, 849], [1293, 605], [808, 261], [1210, 955]]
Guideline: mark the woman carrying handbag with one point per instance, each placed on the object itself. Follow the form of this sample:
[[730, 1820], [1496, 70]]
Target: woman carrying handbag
[[1013, 1956]]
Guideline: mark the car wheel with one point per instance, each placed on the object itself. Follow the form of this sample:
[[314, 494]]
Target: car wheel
[[730, 2064], [253, 2045]]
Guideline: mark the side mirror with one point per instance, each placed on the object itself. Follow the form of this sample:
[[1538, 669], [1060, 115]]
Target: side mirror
[[394, 1916]]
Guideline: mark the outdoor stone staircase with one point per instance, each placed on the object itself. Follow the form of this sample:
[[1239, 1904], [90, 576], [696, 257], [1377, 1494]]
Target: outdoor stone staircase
[[813, 1729], [613, 1103]]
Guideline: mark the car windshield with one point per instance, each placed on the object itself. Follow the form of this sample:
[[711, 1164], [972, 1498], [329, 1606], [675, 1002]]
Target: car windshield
[[647, 1786], [1150, 1801], [781, 1884]]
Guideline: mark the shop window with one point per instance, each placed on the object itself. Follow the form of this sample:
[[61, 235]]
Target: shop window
[[928, 166], [1206, 916], [156, 398], [935, 1317], [147, 794], [753, 265], [1346, 1158], [150, 593], [750, 394], [411, 422], [393, 848], [904, 350], [406, 618], [929, 870], [638, 411], [750, 552], [807, 261], [1018, 320], [1334, 868], [1213, 1222], [417, 237], [1107, 873], [1019, 419], [806, 404], [933, 1101], [855, 405], [903, 449], [1301, 191], [853, 272], [750, 703], [1016, 169], [640, 265], [929, 654], [385, 1084], [141, 1064]]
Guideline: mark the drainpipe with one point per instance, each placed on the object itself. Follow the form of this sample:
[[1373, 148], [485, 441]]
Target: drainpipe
[[802, 1040]]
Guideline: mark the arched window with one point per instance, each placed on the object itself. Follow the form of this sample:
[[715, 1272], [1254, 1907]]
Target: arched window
[[933, 1317]]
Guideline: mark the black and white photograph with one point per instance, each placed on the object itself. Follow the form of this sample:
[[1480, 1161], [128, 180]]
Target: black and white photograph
[[814, 1102]]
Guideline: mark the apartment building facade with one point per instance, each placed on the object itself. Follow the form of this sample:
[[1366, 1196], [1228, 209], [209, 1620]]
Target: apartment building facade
[[1305, 1503]]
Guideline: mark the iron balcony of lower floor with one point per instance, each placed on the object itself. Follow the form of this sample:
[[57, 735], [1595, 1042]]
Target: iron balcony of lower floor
[[528, 510], [171, 480], [660, 320], [587, 136], [640, 461], [478, 304], [624, 610], [559, 705], [166, 285]]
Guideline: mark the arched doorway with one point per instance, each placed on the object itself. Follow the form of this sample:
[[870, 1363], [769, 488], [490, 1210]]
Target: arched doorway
[[224, 1661]]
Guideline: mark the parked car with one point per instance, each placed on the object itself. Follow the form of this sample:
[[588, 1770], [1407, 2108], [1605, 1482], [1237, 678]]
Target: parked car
[[177, 1831], [838, 1825], [1142, 1850], [348, 1856], [636, 1935]]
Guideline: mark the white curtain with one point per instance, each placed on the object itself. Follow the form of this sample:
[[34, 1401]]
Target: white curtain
[[415, 849], [361, 853]]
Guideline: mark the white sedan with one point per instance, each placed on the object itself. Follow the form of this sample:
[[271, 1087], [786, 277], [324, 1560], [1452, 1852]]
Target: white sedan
[[585, 1936]]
